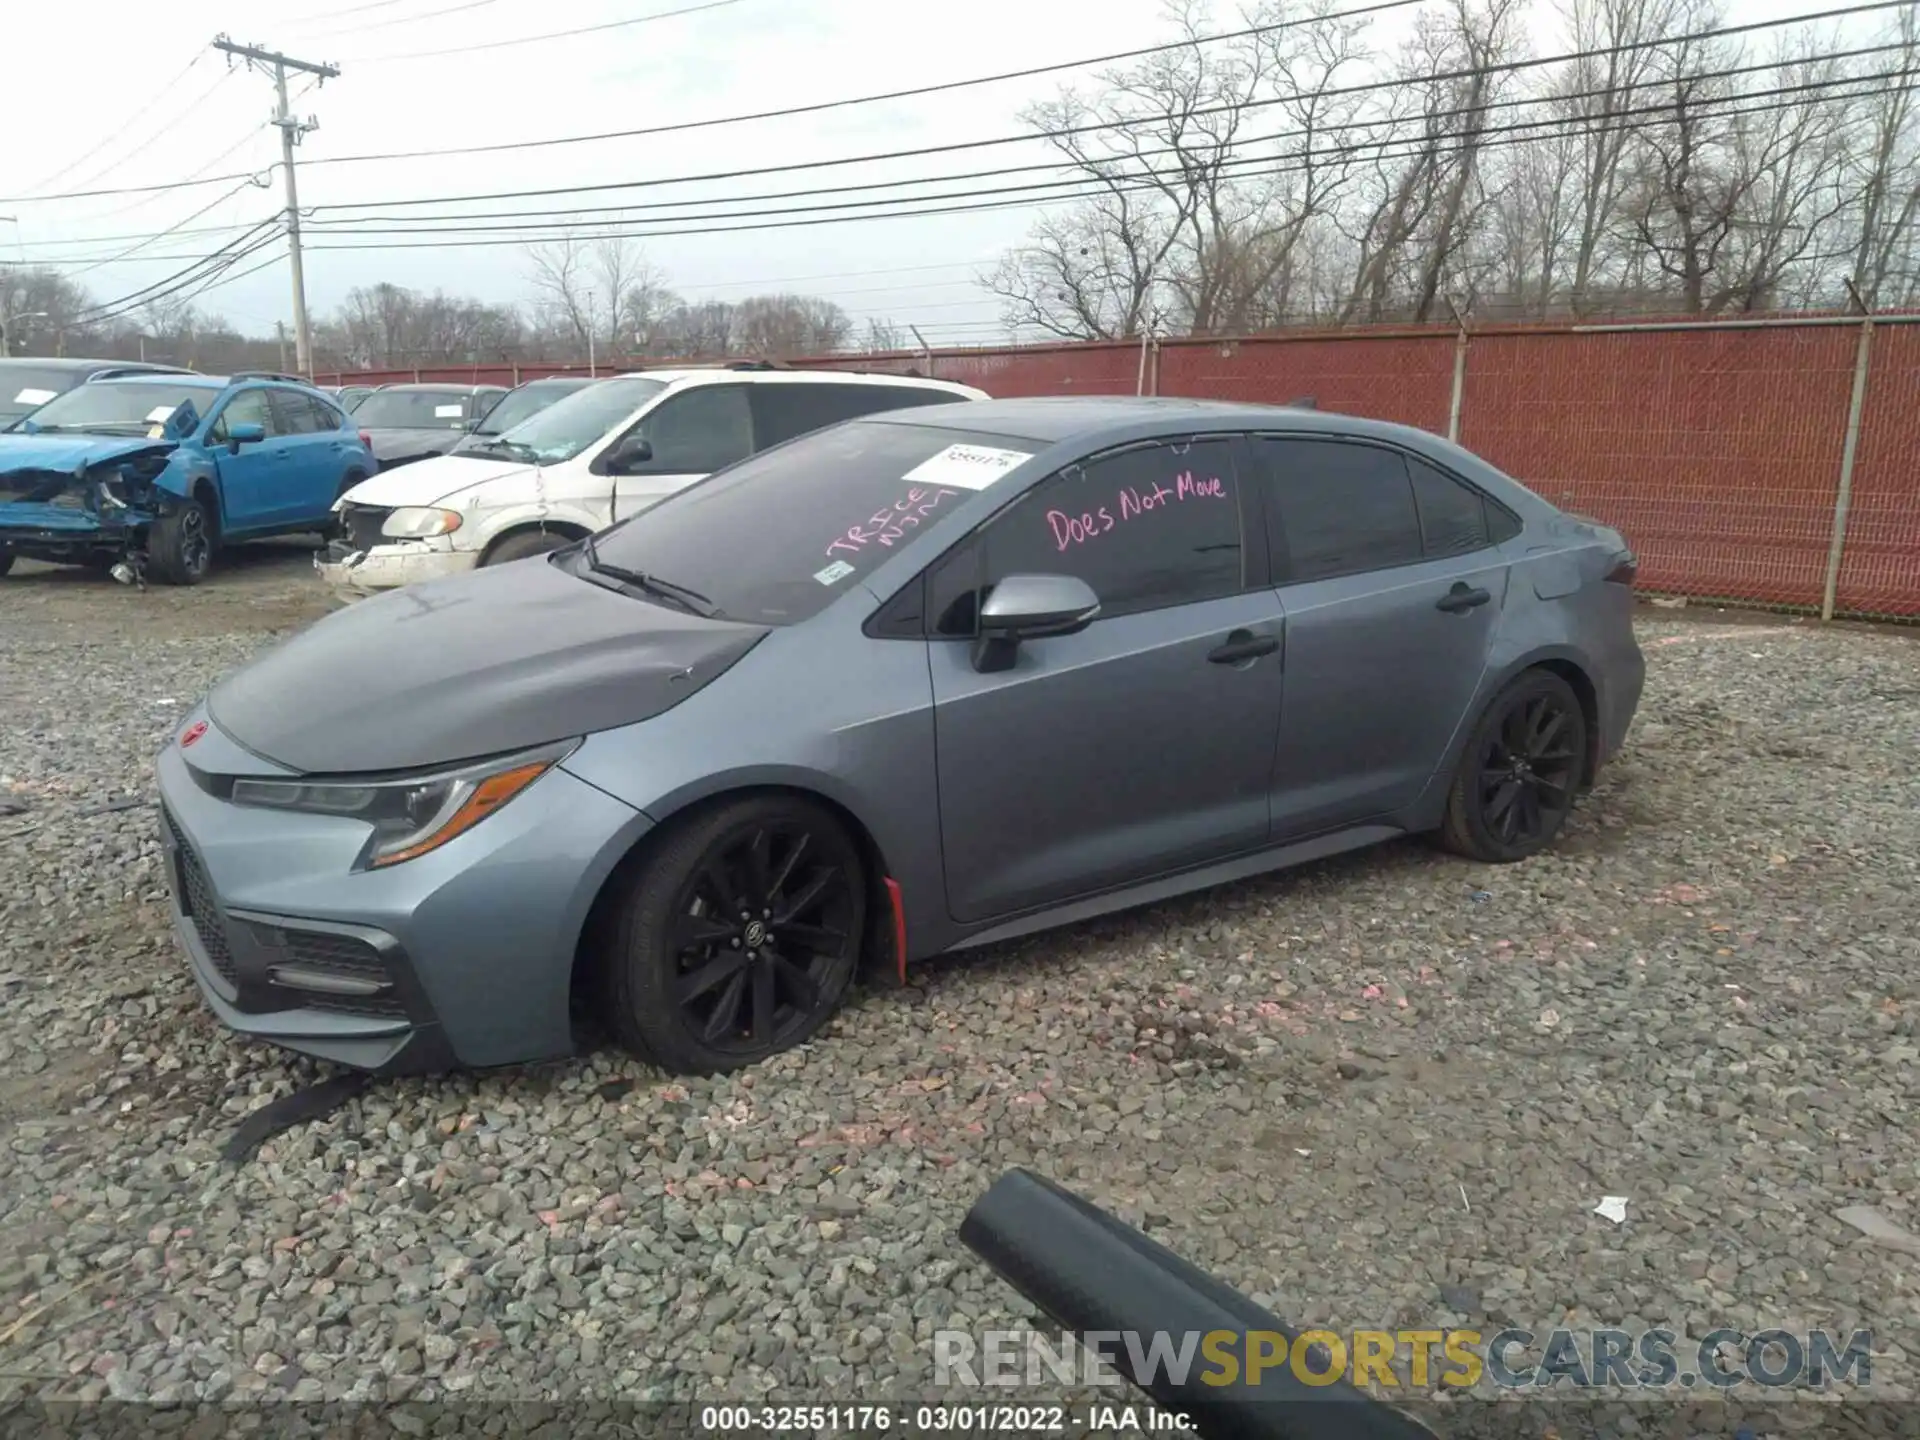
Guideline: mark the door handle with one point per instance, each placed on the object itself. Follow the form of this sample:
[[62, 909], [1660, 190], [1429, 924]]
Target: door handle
[[1241, 646], [1462, 597]]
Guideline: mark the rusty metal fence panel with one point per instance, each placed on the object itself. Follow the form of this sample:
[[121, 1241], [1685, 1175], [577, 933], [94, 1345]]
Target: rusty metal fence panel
[[1717, 452], [1879, 572], [1404, 378]]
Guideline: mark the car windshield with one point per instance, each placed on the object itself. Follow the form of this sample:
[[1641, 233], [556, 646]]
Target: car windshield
[[24, 389], [777, 537], [524, 404], [416, 410], [118, 407], [566, 427]]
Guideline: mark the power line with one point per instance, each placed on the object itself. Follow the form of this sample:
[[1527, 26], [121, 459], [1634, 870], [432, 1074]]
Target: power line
[[458, 224], [125, 125], [158, 133], [534, 39], [955, 147], [213, 262], [1028, 200], [425, 15], [816, 107], [161, 234]]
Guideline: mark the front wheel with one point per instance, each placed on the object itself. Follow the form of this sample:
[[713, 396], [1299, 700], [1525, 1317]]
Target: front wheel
[[180, 545], [737, 937], [1519, 773], [519, 547]]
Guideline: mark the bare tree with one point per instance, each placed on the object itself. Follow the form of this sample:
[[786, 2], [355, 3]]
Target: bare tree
[[561, 273], [1885, 175]]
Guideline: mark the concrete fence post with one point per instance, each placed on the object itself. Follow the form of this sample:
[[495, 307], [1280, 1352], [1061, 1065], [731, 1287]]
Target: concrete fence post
[[1459, 372], [1843, 500]]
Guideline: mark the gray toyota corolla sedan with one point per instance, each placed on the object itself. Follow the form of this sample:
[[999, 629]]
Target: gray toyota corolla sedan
[[911, 684]]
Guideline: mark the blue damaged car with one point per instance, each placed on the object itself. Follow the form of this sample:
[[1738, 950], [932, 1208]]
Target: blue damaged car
[[150, 475]]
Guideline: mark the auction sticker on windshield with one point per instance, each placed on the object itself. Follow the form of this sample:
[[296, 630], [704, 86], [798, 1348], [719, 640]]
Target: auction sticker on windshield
[[33, 397], [971, 467]]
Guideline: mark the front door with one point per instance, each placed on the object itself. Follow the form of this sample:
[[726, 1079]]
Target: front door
[[693, 432], [1138, 747], [257, 483], [1392, 590]]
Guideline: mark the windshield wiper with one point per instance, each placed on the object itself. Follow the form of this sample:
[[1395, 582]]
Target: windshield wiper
[[507, 447], [652, 585]]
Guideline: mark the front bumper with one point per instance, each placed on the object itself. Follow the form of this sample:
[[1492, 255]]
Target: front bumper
[[461, 958], [388, 566]]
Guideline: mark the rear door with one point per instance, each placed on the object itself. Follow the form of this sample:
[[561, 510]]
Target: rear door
[[257, 484], [1392, 589], [315, 438], [1139, 746], [693, 432]]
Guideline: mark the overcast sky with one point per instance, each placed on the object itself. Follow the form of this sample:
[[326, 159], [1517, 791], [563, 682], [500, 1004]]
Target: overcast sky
[[153, 103]]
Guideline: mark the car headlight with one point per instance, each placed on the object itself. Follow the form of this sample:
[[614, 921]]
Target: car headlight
[[417, 522], [415, 815]]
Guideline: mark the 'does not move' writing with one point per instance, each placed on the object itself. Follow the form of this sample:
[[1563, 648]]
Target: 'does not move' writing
[[1131, 502]]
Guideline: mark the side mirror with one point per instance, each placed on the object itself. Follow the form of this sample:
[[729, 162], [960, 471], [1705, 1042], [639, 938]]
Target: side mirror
[[1030, 607], [630, 454], [238, 435]]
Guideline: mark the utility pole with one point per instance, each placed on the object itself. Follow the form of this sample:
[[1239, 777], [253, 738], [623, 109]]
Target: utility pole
[[291, 130], [280, 329]]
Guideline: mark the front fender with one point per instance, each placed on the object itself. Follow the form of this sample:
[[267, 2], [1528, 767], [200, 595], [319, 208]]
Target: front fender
[[182, 472], [481, 525]]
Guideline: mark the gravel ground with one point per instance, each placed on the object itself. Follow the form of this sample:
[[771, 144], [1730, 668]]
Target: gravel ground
[[1383, 1091]]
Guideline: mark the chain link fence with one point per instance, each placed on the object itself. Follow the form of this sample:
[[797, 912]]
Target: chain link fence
[[1758, 461]]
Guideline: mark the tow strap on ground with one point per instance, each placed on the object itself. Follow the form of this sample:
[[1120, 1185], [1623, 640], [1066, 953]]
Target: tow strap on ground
[[316, 1102]]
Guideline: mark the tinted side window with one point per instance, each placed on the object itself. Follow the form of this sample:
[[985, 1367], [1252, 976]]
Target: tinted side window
[[325, 417], [291, 413], [1148, 528], [1341, 508], [697, 431], [1453, 518], [787, 410]]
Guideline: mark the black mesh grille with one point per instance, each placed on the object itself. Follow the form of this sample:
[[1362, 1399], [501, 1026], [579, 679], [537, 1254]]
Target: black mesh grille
[[197, 902], [361, 525], [340, 955]]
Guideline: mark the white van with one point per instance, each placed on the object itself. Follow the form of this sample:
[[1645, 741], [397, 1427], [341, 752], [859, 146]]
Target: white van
[[599, 455]]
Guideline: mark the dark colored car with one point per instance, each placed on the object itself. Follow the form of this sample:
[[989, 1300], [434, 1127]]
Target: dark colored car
[[26, 385], [351, 395], [410, 422], [916, 682], [522, 402]]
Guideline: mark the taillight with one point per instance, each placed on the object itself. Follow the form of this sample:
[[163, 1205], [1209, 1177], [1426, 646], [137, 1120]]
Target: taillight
[[1625, 569], [366, 439]]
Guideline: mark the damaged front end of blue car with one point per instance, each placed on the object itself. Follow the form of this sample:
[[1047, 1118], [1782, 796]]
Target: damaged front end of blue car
[[91, 499]]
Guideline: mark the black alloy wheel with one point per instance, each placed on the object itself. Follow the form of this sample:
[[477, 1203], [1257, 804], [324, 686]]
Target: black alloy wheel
[[740, 936], [1520, 773], [180, 546]]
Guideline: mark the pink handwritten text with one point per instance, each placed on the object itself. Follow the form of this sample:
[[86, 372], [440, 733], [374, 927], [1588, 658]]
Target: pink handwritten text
[[1131, 501], [887, 525]]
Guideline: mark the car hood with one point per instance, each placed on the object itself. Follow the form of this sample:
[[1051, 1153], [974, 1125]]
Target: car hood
[[496, 660], [69, 453], [426, 481]]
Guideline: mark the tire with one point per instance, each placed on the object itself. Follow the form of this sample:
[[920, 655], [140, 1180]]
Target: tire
[[760, 903], [6, 559], [180, 545], [525, 544], [1519, 774]]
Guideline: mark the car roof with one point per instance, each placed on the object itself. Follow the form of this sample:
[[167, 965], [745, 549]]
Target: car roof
[[50, 362], [419, 386], [1054, 418], [754, 375], [184, 377]]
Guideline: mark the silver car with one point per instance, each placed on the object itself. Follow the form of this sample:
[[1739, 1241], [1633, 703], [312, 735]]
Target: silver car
[[918, 682]]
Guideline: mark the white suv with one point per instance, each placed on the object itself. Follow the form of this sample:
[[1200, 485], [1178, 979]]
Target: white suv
[[599, 455]]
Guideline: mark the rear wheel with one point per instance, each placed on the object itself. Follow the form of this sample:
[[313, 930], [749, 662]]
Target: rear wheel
[[6, 559], [737, 937], [1519, 773], [532, 542], [180, 545]]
